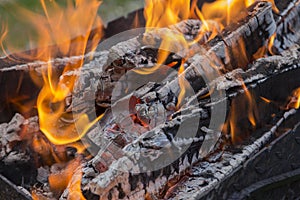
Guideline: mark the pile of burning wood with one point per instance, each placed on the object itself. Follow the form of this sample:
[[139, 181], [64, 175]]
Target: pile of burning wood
[[202, 103]]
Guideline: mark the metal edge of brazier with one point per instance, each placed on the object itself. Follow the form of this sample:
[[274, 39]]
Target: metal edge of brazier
[[10, 191]]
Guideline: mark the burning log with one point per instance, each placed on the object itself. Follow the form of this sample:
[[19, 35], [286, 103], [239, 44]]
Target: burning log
[[251, 33], [9, 135], [114, 182], [227, 177], [155, 104], [20, 94], [14, 150], [288, 24], [26, 149]]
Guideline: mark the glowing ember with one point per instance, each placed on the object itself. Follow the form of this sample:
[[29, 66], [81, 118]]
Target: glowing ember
[[60, 179]]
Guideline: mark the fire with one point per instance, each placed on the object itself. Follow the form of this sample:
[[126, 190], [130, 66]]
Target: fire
[[162, 13], [59, 25], [224, 11], [271, 43], [136, 22], [243, 113], [182, 85], [266, 100], [172, 41], [67, 27], [74, 186], [60, 179], [294, 99], [4, 33]]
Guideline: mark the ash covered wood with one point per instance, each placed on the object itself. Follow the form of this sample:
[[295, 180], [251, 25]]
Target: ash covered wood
[[250, 34], [224, 49], [16, 161], [114, 182], [22, 89], [107, 79], [10, 134]]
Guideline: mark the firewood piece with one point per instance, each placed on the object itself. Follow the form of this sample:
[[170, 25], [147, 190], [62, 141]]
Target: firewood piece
[[9, 135], [109, 65], [114, 181], [288, 27], [224, 51], [283, 5], [231, 173], [10, 191], [24, 86], [236, 45], [260, 17]]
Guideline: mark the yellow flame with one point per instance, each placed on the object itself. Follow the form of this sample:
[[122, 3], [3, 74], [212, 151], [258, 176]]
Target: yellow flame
[[241, 109], [252, 106], [162, 13], [271, 43], [182, 86], [294, 99], [68, 27], [63, 24]]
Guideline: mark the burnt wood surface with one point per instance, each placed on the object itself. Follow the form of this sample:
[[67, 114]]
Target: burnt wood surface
[[256, 172], [141, 184], [250, 33], [263, 75], [288, 24], [24, 86], [59, 63]]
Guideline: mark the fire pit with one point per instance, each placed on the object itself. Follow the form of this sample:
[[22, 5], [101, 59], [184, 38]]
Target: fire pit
[[179, 100]]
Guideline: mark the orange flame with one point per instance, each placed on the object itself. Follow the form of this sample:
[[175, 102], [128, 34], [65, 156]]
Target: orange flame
[[162, 13], [68, 28], [266, 100], [136, 22], [74, 186], [214, 16], [60, 25], [242, 112], [294, 99], [182, 85], [271, 43]]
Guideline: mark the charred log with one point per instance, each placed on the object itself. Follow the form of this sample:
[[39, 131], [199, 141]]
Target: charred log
[[288, 24], [248, 35], [23, 89], [229, 176], [107, 183]]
